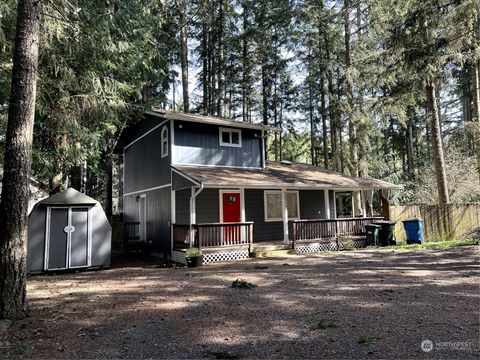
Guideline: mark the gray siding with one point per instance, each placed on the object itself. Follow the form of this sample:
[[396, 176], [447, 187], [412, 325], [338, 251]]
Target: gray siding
[[254, 211], [199, 144], [158, 217], [36, 238], [312, 204], [182, 206], [207, 206], [179, 182], [144, 166]]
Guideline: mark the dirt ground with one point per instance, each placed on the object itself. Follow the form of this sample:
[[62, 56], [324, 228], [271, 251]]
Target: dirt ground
[[368, 304]]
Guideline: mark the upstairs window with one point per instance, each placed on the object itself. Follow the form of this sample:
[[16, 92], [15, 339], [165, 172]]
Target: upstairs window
[[230, 137], [164, 140]]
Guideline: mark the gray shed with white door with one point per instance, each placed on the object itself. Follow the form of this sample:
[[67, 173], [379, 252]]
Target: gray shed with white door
[[68, 230]]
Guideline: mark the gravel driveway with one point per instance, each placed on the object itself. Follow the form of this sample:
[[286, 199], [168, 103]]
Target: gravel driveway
[[363, 304]]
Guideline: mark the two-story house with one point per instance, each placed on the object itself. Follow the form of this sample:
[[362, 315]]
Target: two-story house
[[200, 181]]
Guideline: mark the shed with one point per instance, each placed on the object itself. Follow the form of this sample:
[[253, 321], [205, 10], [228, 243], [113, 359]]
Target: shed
[[68, 230]]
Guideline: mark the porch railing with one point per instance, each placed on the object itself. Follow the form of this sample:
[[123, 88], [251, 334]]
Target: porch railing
[[213, 235], [329, 229]]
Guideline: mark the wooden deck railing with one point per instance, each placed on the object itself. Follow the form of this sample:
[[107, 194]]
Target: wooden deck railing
[[329, 229], [213, 235]]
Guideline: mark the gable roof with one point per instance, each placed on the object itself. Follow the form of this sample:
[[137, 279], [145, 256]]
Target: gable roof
[[280, 175], [165, 114], [69, 197]]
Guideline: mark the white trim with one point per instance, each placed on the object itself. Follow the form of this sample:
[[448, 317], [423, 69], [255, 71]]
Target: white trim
[[142, 136], [364, 205], [149, 189], [47, 240], [189, 178], [220, 166], [263, 149], [164, 139], [334, 204], [326, 204], [267, 192], [285, 215], [293, 186], [172, 141], [242, 205], [220, 193], [230, 131], [193, 212]]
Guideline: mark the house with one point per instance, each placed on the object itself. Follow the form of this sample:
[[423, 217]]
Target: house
[[200, 181]]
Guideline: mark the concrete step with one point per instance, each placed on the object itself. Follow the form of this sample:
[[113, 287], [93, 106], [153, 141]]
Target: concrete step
[[270, 247], [274, 253]]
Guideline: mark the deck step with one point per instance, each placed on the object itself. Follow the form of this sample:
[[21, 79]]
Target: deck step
[[271, 247], [274, 253]]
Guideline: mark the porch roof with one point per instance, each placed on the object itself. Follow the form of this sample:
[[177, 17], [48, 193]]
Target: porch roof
[[279, 175]]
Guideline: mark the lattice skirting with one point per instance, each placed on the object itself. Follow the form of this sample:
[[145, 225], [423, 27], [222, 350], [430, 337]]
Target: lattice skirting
[[225, 256], [179, 257], [317, 247]]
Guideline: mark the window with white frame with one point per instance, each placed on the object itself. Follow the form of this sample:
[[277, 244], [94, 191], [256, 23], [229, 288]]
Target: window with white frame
[[273, 205], [230, 137], [164, 137]]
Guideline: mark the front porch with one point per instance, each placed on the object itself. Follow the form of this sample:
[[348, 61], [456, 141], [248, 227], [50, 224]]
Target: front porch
[[229, 241]]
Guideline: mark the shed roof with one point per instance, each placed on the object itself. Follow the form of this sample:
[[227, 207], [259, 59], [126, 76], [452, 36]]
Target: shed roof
[[279, 175], [209, 120], [69, 197]]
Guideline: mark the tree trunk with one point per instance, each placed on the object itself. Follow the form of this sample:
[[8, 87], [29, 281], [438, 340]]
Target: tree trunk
[[476, 111], [409, 145], [221, 61], [437, 145], [352, 126], [109, 186], [184, 54], [18, 158]]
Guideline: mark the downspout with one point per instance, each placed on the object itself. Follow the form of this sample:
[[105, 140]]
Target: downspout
[[193, 213]]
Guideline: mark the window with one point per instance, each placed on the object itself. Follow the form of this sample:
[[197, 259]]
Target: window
[[164, 137], [273, 205], [230, 137], [343, 204]]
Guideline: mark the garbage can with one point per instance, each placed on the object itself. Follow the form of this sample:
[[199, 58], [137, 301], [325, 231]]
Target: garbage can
[[414, 230], [372, 231], [385, 235]]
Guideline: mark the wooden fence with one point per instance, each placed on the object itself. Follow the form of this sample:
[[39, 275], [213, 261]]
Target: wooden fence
[[439, 222]]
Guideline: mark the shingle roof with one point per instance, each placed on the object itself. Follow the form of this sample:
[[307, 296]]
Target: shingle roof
[[277, 175]]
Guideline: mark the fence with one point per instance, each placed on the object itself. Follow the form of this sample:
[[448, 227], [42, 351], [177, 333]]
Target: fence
[[440, 222]]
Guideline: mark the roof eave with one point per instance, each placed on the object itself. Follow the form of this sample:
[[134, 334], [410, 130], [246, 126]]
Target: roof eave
[[210, 120]]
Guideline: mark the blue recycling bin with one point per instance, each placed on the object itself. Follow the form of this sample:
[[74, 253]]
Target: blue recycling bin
[[414, 230]]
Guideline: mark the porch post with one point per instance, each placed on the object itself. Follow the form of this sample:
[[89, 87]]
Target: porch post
[[285, 216], [242, 205], [193, 217], [364, 206], [327, 204]]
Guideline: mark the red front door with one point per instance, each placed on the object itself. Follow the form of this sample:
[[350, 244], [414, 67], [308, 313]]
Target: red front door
[[231, 207], [231, 213]]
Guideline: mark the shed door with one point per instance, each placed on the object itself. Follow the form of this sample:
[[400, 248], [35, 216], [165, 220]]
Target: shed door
[[79, 237], [57, 239], [68, 241]]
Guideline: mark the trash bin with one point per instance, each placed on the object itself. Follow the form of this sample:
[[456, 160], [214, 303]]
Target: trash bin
[[414, 230], [385, 235], [372, 231]]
